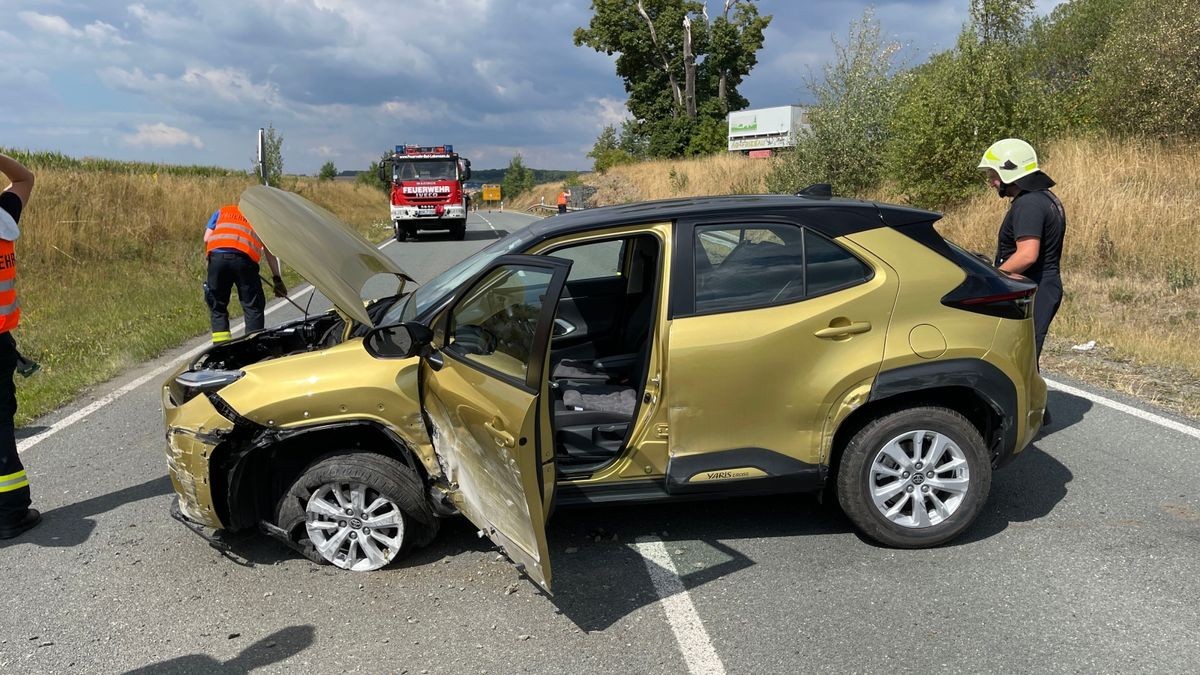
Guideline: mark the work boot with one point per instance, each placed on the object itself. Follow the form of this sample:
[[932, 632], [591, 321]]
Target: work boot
[[26, 522]]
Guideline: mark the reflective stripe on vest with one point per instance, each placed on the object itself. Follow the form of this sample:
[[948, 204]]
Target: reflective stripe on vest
[[13, 481], [10, 305], [232, 230]]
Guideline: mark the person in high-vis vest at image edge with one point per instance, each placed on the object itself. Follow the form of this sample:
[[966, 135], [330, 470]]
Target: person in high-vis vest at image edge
[[15, 515], [234, 250]]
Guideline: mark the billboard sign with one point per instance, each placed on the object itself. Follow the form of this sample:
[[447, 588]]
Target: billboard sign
[[491, 193], [765, 128]]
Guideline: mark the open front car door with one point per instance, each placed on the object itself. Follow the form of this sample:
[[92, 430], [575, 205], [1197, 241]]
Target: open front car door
[[485, 397]]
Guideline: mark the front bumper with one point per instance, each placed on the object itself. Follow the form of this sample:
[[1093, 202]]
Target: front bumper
[[449, 212], [193, 431]]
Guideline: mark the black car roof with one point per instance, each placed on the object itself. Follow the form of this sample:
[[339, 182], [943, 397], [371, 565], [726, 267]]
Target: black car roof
[[832, 216]]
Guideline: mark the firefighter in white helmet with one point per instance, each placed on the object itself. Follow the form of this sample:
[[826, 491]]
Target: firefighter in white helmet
[[1030, 240]]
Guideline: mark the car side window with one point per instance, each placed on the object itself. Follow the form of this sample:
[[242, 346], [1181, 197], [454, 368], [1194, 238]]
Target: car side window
[[829, 267], [494, 324], [593, 260], [742, 267], [739, 267]]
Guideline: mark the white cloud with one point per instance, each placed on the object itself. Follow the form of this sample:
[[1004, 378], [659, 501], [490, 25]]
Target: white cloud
[[198, 88], [161, 136], [98, 32], [610, 111]]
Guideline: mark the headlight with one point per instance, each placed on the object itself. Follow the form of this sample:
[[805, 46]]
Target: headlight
[[189, 384]]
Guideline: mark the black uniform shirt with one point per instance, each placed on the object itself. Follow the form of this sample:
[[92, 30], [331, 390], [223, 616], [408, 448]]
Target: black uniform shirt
[[1034, 214]]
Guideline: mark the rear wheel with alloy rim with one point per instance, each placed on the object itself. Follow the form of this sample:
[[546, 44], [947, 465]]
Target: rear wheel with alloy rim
[[358, 511], [915, 478]]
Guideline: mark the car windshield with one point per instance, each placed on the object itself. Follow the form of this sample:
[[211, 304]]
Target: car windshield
[[425, 297], [426, 169]]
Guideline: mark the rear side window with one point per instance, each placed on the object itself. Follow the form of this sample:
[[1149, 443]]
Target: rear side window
[[829, 267], [743, 267], [595, 260]]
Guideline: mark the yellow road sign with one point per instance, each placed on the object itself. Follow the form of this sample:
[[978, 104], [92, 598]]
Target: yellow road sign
[[491, 193]]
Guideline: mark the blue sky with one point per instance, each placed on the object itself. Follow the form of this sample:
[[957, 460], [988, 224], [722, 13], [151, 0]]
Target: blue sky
[[191, 81]]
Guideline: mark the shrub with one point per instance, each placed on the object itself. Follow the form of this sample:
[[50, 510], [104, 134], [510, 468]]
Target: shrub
[[1148, 72]]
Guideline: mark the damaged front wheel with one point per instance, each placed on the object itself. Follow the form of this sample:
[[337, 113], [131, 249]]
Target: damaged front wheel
[[358, 511]]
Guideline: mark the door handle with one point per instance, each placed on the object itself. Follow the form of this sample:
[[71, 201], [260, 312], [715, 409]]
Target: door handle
[[853, 328], [502, 437]]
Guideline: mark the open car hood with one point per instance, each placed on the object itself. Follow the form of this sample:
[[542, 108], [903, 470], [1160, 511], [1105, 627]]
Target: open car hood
[[324, 250]]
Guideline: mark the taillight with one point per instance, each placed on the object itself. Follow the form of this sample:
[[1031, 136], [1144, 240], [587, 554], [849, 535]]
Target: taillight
[[1004, 297]]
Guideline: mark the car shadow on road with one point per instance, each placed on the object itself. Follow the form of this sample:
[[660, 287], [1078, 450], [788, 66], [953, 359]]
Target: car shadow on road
[[72, 525], [600, 577], [1034, 483], [272, 649], [1067, 411]]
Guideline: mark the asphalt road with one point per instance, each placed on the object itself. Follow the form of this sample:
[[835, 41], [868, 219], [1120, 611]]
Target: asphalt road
[[1086, 558]]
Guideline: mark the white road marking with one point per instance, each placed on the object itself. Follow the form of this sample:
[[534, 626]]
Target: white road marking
[[82, 413], [1116, 405], [697, 648], [489, 223]]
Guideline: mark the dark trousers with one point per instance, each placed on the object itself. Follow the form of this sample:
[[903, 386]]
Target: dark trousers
[[226, 270], [13, 503], [562, 208], [1045, 306]]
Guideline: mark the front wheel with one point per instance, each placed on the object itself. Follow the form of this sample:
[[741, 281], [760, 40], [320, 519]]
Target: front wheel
[[359, 511], [914, 478], [458, 230], [398, 230]]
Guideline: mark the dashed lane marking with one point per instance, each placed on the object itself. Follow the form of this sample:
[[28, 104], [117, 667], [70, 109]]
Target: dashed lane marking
[[694, 643], [84, 412]]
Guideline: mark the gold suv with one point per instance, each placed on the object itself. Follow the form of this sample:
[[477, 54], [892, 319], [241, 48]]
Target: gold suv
[[680, 349]]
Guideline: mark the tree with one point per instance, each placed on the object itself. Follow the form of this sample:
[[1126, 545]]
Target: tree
[[1061, 54], [606, 152], [328, 171], [518, 178], [849, 124], [272, 157], [1147, 74], [959, 102], [681, 71]]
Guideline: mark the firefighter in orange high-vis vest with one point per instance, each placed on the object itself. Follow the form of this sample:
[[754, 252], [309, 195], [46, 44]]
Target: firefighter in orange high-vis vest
[[563, 197], [15, 514], [234, 250]]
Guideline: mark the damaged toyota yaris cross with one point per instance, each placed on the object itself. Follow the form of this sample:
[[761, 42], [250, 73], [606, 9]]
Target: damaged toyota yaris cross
[[681, 349]]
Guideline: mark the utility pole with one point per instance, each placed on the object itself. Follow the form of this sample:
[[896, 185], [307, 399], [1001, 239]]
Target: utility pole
[[262, 154]]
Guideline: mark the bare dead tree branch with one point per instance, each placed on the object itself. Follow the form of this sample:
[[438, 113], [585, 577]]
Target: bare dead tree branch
[[689, 69], [666, 66]]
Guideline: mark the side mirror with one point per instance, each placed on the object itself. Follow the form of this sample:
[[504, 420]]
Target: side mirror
[[385, 172], [465, 169], [398, 341]]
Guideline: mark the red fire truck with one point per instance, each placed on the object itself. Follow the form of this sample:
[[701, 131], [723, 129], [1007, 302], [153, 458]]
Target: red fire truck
[[427, 189]]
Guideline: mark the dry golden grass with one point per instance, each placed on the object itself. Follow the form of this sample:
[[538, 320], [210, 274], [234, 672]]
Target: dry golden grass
[[1131, 263], [665, 179]]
